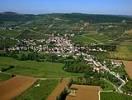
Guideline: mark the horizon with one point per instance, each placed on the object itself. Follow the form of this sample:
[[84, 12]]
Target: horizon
[[64, 13], [103, 7]]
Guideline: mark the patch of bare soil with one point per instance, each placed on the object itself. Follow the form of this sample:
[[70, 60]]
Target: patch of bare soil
[[58, 90], [128, 67], [15, 86], [84, 92]]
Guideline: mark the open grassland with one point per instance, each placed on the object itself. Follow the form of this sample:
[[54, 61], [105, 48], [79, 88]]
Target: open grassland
[[114, 96], [34, 68], [40, 92], [124, 51]]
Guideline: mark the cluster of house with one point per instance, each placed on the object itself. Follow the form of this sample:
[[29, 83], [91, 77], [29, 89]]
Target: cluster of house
[[60, 45], [54, 44], [63, 46]]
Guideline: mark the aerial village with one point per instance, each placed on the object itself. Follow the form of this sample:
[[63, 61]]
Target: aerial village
[[63, 46]]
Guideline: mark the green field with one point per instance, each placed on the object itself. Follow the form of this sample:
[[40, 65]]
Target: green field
[[124, 51], [34, 68], [39, 93], [91, 38], [4, 77], [9, 33], [108, 85], [114, 96]]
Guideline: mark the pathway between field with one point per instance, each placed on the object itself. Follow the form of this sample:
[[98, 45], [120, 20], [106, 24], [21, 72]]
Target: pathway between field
[[58, 90]]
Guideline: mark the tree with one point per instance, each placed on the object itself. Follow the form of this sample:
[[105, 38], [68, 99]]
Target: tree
[[23, 57]]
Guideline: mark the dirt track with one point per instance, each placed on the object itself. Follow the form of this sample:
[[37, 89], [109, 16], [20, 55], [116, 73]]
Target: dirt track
[[15, 86], [58, 90], [128, 67]]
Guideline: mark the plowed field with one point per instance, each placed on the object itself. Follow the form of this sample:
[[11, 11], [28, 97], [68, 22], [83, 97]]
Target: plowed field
[[15, 86]]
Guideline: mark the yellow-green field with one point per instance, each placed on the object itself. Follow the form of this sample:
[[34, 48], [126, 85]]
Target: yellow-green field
[[124, 51], [91, 38]]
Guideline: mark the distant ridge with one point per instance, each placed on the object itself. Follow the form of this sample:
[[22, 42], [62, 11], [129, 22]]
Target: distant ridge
[[9, 12], [15, 13], [92, 18], [13, 16]]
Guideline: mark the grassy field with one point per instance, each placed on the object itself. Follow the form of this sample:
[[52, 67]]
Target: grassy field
[[39, 93], [4, 77], [37, 69], [9, 33], [124, 51], [108, 85], [114, 96], [91, 38]]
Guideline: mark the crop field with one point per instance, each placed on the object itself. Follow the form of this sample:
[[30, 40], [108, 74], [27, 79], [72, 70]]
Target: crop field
[[37, 69], [41, 53], [40, 92], [128, 67], [15, 86], [91, 38], [114, 96], [124, 51], [82, 92]]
